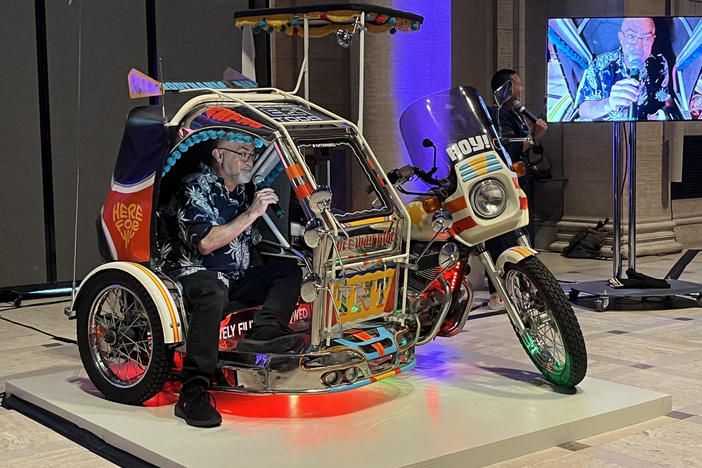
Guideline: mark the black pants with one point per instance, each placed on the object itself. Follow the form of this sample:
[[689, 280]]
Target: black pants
[[527, 183], [277, 285]]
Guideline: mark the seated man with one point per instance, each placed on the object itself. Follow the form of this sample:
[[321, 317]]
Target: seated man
[[629, 83], [213, 215]]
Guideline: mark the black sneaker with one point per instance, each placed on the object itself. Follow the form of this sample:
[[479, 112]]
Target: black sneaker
[[194, 406], [272, 339]]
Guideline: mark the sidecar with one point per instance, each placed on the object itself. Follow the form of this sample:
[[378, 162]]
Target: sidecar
[[343, 223]]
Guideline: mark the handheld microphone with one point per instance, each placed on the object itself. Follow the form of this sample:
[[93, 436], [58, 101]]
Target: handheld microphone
[[635, 67], [519, 107], [258, 181]]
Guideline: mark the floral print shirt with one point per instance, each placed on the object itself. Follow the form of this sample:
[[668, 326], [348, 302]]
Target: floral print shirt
[[608, 68], [201, 202]]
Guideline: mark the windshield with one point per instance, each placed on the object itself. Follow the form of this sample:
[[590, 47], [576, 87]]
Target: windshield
[[340, 165], [456, 122]]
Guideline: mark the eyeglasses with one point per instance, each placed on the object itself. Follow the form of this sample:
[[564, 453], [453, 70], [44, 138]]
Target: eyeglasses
[[632, 39], [245, 156]]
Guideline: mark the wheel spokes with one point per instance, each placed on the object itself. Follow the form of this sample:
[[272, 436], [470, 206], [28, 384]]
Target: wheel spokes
[[542, 338], [120, 336]]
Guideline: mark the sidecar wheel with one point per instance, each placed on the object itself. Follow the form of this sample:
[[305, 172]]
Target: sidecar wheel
[[553, 339], [120, 338]]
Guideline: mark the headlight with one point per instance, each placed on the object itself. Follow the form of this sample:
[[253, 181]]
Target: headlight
[[489, 198]]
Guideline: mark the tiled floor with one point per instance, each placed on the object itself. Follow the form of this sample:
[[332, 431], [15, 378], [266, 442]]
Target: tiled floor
[[649, 344]]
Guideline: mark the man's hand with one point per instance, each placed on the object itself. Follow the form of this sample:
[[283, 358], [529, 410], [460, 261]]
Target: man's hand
[[624, 93], [262, 198], [540, 127]]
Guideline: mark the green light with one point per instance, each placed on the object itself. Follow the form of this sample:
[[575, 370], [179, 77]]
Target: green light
[[531, 345], [354, 309]]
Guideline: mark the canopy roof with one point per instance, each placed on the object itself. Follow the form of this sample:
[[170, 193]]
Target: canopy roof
[[328, 18]]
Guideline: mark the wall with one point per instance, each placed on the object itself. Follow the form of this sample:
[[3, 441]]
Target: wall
[[398, 69], [21, 212], [196, 40], [687, 214], [480, 36], [112, 41]]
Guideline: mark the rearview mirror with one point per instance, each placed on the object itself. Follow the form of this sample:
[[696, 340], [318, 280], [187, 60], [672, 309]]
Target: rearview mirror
[[448, 256], [310, 287], [314, 230], [503, 93], [320, 199], [441, 221]]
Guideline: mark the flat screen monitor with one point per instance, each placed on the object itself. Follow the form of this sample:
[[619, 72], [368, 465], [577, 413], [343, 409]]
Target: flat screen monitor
[[624, 69]]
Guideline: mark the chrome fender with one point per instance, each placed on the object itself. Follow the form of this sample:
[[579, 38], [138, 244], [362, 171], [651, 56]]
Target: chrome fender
[[168, 311], [513, 255]]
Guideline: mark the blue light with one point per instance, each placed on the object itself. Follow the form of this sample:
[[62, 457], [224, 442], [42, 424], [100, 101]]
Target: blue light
[[422, 59], [261, 360], [47, 292]]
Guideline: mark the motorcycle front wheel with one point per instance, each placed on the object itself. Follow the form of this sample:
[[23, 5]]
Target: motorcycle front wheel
[[552, 339]]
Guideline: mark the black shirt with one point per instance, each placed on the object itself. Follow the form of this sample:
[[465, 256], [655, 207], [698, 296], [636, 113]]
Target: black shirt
[[202, 202]]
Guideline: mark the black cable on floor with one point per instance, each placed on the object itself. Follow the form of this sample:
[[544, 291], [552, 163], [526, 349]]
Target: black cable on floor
[[53, 337], [34, 304], [492, 313]]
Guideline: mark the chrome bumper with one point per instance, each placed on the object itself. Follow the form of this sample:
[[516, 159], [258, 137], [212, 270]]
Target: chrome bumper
[[362, 355]]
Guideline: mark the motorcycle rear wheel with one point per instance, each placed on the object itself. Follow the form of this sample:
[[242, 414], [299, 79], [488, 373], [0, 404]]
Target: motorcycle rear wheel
[[552, 339]]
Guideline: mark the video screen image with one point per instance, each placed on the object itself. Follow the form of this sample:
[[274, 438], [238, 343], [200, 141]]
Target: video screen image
[[624, 69]]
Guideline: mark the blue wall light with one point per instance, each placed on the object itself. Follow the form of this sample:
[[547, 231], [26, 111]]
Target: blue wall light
[[422, 59]]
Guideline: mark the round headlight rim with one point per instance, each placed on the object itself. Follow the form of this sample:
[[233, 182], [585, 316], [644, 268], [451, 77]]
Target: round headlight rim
[[476, 188]]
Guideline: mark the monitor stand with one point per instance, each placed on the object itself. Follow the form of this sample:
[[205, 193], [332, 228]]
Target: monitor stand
[[617, 287]]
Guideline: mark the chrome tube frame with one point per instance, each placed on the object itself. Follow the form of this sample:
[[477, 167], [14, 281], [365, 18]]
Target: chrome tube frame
[[461, 322], [616, 201], [512, 312], [442, 315], [291, 155], [631, 181]]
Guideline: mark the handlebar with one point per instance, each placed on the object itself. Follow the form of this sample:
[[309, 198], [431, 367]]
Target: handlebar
[[405, 173], [441, 187]]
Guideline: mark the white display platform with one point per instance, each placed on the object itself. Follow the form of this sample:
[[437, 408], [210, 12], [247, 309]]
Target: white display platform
[[446, 412]]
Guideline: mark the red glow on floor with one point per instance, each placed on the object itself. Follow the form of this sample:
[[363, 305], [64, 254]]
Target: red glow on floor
[[162, 398], [300, 406], [433, 403], [167, 396], [284, 406]]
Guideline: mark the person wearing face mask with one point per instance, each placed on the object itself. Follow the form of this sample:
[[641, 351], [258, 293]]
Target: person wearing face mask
[[628, 83], [213, 213]]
